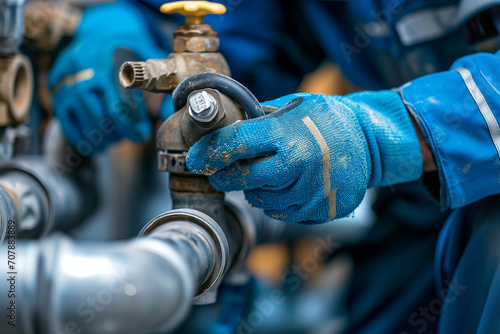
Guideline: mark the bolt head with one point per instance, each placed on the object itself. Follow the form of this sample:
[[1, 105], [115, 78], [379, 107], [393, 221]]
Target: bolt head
[[202, 107]]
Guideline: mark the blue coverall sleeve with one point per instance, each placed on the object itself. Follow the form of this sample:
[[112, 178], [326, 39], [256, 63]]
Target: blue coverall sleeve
[[458, 113]]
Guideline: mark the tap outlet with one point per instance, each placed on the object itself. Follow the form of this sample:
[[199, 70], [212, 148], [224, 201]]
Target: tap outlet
[[164, 75]]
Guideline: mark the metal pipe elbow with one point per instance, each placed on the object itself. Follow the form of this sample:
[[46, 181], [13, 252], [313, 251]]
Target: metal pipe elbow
[[202, 242], [131, 287], [47, 199]]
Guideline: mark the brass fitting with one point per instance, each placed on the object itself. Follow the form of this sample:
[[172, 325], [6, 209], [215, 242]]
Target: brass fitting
[[47, 23], [163, 75], [196, 44], [196, 47], [196, 38], [16, 89]]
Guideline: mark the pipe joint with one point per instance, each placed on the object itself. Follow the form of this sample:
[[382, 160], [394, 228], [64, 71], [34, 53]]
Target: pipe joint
[[16, 89], [209, 260]]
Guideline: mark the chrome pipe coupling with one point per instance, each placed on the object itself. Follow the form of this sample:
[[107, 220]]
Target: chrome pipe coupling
[[209, 238]]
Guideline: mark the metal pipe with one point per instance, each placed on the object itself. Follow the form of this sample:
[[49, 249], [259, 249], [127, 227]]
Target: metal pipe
[[259, 228], [11, 26], [137, 286], [212, 260], [47, 199], [57, 285], [16, 77], [31, 201], [9, 213], [16, 89]]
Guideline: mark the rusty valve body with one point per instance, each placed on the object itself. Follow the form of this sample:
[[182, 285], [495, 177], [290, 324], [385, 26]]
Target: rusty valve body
[[163, 75], [204, 99], [196, 49], [180, 131]]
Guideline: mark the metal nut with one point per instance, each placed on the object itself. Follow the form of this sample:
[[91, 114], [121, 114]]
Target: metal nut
[[202, 107], [196, 44]]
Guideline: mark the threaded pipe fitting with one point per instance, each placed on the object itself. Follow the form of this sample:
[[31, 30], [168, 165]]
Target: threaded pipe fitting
[[134, 74]]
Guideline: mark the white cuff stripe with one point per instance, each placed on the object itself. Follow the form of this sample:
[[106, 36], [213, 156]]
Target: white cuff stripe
[[483, 106]]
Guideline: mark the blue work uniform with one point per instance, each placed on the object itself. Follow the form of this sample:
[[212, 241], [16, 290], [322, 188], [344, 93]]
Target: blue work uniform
[[412, 274]]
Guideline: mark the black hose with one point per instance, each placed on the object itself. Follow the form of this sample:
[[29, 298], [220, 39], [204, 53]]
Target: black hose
[[222, 83]]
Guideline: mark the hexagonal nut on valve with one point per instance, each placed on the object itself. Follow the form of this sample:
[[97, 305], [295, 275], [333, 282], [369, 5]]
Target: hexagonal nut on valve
[[203, 107], [196, 44]]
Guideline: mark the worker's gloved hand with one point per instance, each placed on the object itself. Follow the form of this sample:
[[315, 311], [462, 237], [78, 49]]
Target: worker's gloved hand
[[94, 110], [321, 154]]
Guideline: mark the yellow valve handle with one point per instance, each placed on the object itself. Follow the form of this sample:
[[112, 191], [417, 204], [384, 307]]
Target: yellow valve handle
[[194, 11]]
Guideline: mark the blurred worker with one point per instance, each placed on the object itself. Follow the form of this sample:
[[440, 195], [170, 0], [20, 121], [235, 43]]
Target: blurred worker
[[92, 107], [320, 153]]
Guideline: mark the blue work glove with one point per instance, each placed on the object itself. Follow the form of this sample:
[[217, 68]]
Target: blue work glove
[[94, 110], [320, 154]]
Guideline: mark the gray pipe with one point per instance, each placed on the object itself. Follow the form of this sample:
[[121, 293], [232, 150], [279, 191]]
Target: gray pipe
[[9, 213], [147, 285], [140, 286], [11, 26], [48, 200]]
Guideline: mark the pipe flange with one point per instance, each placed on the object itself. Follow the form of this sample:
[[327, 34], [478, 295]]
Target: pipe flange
[[16, 89], [30, 172], [201, 219]]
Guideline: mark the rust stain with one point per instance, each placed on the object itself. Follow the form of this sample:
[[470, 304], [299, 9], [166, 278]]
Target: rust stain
[[207, 171], [227, 156], [246, 171]]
